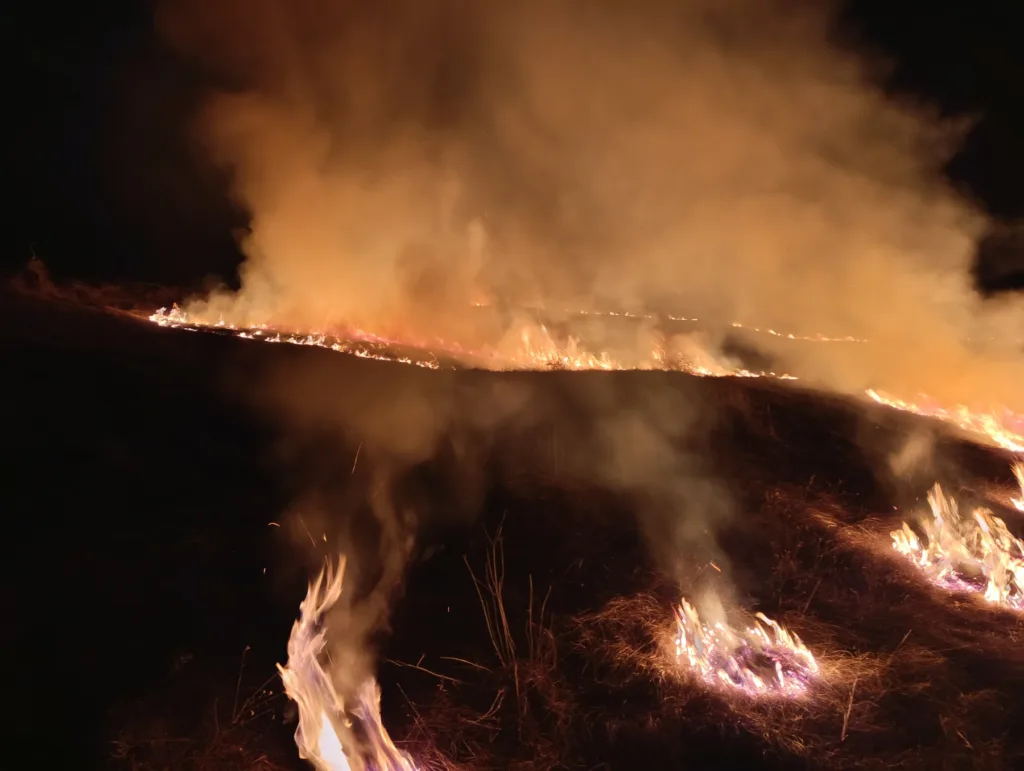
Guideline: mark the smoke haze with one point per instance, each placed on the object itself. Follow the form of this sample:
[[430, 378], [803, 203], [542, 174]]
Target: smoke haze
[[404, 159]]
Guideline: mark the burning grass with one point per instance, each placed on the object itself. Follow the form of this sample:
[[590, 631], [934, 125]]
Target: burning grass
[[976, 554], [337, 731], [532, 346], [764, 659], [903, 676], [528, 346], [891, 687], [907, 675]]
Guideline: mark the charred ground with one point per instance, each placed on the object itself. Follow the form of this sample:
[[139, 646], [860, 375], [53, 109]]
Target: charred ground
[[139, 498]]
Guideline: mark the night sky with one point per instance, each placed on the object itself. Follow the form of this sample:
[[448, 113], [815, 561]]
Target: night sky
[[107, 185]]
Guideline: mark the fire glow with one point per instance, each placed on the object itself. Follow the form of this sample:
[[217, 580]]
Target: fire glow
[[991, 424], [532, 348], [976, 554], [1018, 500], [765, 659], [333, 735], [535, 348]]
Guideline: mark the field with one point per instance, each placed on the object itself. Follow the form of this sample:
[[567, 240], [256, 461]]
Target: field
[[170, 494]]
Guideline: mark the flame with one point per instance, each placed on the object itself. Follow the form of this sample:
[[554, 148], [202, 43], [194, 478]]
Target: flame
[[534, 347], [976, 554], [1018, 472], [361, 344], [531, 346], [765, 659], [328, 727], [993, 423]]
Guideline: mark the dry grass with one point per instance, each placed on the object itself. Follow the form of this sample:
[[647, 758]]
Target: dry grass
[[154, 746], [891, 693], [911, 677], [246, 737], [35, 281], [556, 692], [524, 724]]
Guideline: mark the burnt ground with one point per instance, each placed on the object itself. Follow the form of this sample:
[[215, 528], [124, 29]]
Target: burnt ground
[[147, 599]]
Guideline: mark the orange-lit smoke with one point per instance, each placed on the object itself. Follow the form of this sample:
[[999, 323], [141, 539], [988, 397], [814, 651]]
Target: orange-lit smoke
[[405, 159]]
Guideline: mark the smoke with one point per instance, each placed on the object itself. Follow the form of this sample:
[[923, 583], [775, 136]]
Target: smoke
[[914, 456], [403, 159], [384, 452]]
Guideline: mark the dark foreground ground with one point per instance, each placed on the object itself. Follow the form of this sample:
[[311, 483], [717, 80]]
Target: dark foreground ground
[[146, 597]]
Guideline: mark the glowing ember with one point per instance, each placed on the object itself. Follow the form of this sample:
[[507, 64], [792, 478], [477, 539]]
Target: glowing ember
[[333, 735], [764, 660], [977, 554]]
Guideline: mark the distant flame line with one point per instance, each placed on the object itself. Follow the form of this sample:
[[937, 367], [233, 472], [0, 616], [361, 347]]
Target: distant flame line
[[541, 352]]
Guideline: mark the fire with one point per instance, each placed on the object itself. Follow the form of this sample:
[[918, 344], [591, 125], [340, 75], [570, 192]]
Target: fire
[[333, 735], [1018, 473], [976, 554], [765, 659], [534, 347], [530, 347], [363, 345], [995, 424]]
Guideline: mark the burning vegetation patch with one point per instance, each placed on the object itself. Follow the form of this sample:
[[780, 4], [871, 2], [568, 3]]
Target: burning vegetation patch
[[337, 732], [976, 554], [533, 346], [765, 659], [892, 674]]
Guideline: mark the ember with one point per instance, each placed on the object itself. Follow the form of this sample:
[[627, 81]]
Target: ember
[[333, 735], [764, 660], [977, 554]]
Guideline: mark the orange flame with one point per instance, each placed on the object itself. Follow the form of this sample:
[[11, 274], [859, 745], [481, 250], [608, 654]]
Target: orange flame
[[764, 659], [333, 735], [978, 554], [1018, 473], [988, 423], [534, 347]]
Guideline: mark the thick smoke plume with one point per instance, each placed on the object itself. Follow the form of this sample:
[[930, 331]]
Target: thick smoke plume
[[404, 159], [407, 161], [390, 452]]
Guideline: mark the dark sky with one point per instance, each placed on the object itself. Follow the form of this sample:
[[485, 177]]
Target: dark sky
[[106, 186]]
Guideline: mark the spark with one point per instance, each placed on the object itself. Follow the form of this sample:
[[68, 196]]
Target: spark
[[766, 659]]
